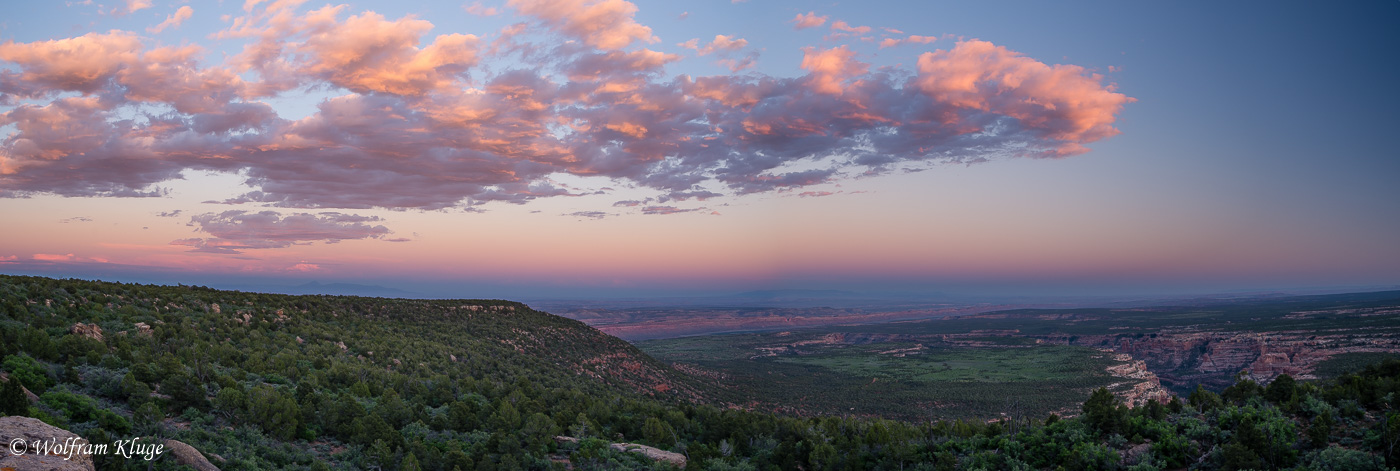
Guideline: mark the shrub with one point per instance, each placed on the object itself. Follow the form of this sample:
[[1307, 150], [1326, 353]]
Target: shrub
[[29, 371]]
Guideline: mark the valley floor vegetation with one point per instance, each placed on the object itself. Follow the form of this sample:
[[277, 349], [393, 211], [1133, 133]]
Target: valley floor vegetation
[[261, 381], [812, 372]]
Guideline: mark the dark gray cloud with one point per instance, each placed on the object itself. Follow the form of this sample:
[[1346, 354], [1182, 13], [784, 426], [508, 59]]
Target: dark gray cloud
[[588, 214], [670, 210], [235, 231]]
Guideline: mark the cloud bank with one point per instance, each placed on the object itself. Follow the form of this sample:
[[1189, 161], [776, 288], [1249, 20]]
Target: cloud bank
[[455, 120]]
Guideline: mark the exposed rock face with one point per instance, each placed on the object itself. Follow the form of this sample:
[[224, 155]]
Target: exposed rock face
[[1133, 455], [653, 453], [1190, 357], [91, 331], [188, 456], [1145, 386], [33, 431]]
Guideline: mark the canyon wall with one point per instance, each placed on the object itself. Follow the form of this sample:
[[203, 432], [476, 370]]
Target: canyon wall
[[1214, 357]]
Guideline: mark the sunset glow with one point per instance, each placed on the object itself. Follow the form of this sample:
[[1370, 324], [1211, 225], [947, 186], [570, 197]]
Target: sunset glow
[[610, 147]]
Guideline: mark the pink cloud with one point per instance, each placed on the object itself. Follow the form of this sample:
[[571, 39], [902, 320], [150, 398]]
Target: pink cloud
[[94, 62], [808, 20], [81, 64], [129, 7], [67, 258], [367, 53], [432, 124], [844, 27], [831, 68], [724, 46], [745, 62], [476, 9], [275, 29], [604, 24], [911, 39], [171, 75], [1063, 102], [721, 43], [174, 20], [304, 267], [593, 66], [730, 92]]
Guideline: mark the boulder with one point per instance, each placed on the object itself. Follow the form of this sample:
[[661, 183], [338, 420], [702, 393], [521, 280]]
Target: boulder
[[33, 431], [188, 456]]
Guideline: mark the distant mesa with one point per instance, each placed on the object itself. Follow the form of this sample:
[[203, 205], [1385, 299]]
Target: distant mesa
[[351, 289]]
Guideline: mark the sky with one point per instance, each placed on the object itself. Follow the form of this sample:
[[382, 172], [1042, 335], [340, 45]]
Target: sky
[[610, 148]]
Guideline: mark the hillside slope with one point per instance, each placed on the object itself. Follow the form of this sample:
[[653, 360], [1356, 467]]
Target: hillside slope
[[310, 367]]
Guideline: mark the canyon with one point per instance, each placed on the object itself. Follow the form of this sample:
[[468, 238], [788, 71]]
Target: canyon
[[1213, 358], [1144, 353]]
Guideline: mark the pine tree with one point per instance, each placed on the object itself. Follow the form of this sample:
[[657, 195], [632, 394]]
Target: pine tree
[[410, 463], [1103, 412], [1281, 390], [657, 432], [12, 400]]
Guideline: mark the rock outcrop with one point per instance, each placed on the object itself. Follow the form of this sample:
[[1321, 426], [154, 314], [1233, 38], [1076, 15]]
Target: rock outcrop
[[1213, 357], [188, 456], [1144, 385], [657, 454], [46, 447], [654, 453], [91, 331]]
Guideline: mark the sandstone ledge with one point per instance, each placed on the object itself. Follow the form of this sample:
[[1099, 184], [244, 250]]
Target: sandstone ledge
[[34, 430]]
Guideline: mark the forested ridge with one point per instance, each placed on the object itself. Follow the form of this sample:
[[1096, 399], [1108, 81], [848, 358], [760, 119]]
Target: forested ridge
[[260, 381]]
